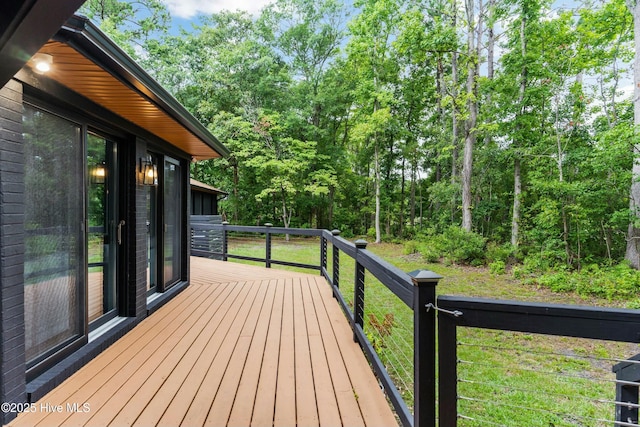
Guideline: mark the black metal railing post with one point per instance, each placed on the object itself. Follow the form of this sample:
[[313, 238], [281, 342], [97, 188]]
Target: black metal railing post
[[267, 254], [336, 265], [225, 240], [358, 298], [447, 371], [627, 390], [323, 254], [424, 341]]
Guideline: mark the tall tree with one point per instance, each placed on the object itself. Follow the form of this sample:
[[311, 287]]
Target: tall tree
[[633, 235], [130, 23], [370, 52], [474, 36]]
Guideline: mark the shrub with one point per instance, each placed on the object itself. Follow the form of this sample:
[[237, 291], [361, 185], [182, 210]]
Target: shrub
[[453, 246], [619, 282], [429, 251], [371, 233], [410, 247], [497, 267], [496, 252], [462, 246]]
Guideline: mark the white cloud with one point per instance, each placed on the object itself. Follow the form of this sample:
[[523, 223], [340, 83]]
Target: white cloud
[[189, 8]]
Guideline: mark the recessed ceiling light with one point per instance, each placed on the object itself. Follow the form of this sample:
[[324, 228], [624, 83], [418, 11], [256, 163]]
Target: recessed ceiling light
[[42, 62]]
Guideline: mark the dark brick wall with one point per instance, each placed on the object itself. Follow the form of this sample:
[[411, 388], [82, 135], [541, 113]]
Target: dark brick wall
[[12, 358], [138, 256]]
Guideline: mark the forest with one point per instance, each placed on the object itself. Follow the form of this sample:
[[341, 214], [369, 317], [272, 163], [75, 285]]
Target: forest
[[493, 130]]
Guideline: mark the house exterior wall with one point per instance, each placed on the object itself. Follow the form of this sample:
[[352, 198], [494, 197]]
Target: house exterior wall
[[138, 247], [203, 203], [12, 357], [14, 385]]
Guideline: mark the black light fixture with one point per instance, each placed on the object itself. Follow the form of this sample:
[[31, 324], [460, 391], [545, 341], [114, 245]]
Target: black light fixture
[[149, 172]]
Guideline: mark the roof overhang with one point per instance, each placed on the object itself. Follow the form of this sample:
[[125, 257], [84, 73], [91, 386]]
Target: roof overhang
[[86, 61], [25, 25], [205, 188]]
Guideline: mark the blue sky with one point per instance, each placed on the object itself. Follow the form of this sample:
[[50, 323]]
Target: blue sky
[[185, 10]]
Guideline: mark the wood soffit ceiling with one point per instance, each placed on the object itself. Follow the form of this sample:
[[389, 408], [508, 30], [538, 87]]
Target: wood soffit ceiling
[[75, 71]]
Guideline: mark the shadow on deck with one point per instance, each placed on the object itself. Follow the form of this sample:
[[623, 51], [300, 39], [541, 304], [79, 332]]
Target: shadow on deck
[[241, 346]]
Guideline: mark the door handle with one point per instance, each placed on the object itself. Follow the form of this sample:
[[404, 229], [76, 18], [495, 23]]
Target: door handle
[[120, 225]]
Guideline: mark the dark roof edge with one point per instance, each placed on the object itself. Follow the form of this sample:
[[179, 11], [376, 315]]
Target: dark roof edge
[[82, 34], [25, 25], [206, 187]]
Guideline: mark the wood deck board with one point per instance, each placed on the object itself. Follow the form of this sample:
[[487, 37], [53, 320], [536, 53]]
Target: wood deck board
[[328, 411], [153, 361], [99, 381], [241, 346], [160, 389], [264, 405]]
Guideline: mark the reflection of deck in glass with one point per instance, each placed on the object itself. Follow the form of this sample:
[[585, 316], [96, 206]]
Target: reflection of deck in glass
[[51, 318], [96, 302]]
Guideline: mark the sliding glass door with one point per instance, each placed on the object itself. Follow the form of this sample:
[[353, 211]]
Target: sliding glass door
[[105, 228], [173, 222], [54, 266], [152, 233]]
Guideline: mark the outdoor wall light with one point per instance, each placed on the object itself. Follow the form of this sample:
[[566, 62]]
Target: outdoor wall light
[[42, 62], [149, 172], [99, 173]]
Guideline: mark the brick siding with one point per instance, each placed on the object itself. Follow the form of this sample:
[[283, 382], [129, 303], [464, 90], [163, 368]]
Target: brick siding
[[12, 357]]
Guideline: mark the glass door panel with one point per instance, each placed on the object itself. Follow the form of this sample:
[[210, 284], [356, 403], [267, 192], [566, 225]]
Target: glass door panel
[[103, 224], [173, 220], [54, 263], [152, 241]]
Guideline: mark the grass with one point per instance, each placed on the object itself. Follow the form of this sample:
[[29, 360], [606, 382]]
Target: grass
[[505, 378]]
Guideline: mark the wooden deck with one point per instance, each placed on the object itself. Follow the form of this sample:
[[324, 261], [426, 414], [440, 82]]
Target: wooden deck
[[241, 346]]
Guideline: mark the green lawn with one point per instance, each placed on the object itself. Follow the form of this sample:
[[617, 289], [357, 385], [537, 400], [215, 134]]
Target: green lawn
[[505, 378]]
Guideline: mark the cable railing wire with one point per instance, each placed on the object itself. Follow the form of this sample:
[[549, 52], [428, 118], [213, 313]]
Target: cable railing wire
[[567, 404], [550, 394], [491, 423], [550, 353], [550, 373], [387, 335], [538, 410]]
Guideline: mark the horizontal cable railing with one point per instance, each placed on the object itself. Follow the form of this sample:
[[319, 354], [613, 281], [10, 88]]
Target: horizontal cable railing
[[543, 364]]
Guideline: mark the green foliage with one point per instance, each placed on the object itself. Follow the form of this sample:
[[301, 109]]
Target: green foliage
[[501, 253], [454, 245], [410, 247], [497, 267], [341, 116], [619, 282]]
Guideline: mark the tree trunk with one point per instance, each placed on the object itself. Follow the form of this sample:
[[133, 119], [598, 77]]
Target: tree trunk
[[559, 159], [633, 236], [286, 215], [517, 191], [402, 197], [454, 109], [472, 106], [377, 189], [412, 197], [517, 174]]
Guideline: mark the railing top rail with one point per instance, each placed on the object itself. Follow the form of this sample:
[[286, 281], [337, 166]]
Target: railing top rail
[[398, 281], [344, 245], [260, 229], [611, 324], [392, 277]]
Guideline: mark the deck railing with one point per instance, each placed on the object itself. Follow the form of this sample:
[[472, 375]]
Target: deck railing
[[417, 291]]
